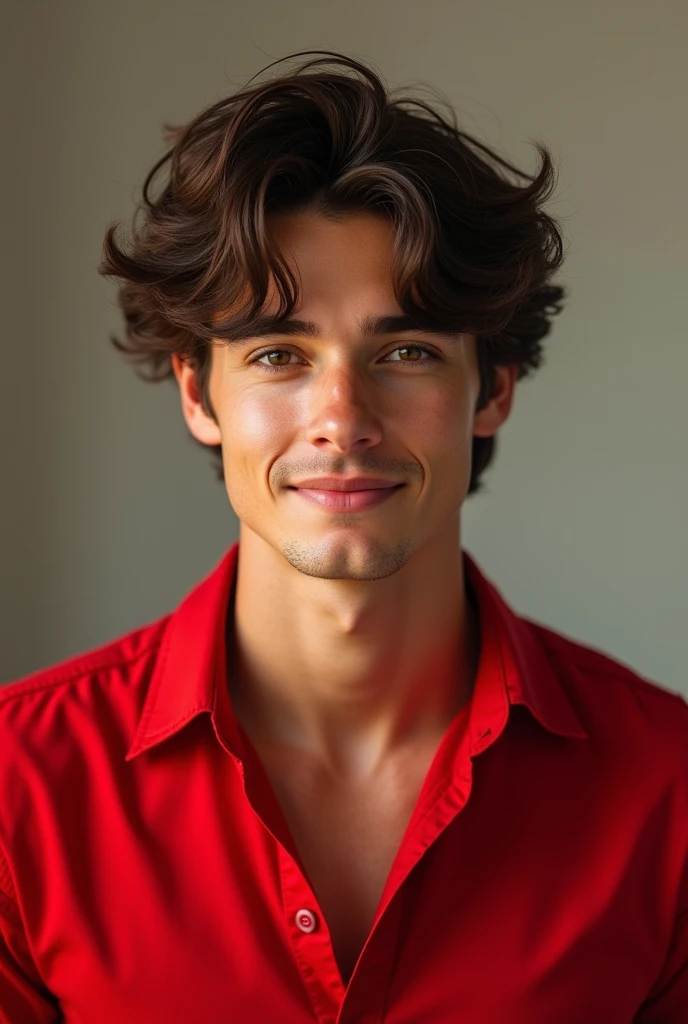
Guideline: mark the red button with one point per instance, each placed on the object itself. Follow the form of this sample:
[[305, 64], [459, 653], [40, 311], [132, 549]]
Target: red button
[[306, 921]]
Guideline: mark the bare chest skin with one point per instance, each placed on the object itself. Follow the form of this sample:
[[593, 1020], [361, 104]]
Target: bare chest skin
[[348, 835]]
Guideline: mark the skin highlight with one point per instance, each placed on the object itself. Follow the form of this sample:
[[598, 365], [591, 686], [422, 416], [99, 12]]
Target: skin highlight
[[353, 637]]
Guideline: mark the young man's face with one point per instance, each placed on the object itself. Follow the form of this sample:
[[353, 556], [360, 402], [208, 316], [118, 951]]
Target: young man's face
[[344, 404]]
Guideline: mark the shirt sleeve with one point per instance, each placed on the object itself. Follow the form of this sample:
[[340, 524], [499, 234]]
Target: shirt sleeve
[[24, 997], [667, 1000]]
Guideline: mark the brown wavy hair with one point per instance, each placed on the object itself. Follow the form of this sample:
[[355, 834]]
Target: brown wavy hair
[[471, 249]]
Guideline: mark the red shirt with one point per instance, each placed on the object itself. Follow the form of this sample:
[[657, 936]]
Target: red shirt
[[147, 875]]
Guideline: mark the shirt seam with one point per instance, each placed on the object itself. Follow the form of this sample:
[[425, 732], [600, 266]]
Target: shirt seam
[[7, 874], [622, 674], [10, 909], [14, 914], [79, 674]]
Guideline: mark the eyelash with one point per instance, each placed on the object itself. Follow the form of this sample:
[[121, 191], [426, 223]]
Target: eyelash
[[290, 366]]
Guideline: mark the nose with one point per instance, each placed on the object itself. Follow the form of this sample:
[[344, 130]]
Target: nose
[[344, 410]]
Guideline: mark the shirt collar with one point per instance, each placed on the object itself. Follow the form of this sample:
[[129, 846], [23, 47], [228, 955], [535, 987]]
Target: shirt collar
[[190, 674]]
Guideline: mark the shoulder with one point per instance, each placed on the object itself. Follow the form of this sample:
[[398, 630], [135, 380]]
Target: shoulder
[[61, 728], [116, 673], [611, 696]]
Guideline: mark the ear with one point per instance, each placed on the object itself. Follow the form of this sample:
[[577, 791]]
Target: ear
[[202, 426], [490, 418]]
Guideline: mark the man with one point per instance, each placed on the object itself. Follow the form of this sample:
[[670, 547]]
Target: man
[[344, 781]]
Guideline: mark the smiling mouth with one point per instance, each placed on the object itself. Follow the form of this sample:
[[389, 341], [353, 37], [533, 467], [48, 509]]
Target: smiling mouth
[[347, 501]]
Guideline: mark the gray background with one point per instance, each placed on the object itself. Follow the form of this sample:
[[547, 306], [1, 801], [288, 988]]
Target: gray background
[[111, 513]]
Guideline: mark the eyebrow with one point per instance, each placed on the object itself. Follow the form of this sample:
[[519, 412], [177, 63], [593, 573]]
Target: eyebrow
[[369, 326]]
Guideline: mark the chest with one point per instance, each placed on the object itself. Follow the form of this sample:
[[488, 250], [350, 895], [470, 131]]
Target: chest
[[347, 837]]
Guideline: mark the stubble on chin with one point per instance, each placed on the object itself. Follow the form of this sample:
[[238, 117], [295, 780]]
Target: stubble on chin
[[342, 561]]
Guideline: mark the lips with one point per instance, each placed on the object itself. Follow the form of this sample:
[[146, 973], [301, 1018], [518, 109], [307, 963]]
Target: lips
[[347, 500], [355, 483]]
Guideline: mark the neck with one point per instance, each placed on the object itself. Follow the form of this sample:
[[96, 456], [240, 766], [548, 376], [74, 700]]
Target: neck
[[351, 673]]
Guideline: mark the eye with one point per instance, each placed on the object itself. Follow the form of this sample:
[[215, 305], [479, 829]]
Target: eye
[[276, 351], [416, 351], [411, 348], [273, 352]]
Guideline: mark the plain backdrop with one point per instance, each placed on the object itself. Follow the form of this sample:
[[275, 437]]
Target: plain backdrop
[[111, 513]]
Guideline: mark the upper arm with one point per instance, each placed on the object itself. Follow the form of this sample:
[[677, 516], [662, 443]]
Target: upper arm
[[667, 1000], [24, 997]]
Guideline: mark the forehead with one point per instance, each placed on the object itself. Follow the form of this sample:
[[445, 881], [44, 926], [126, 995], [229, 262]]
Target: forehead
[[342, 265], [347, 252]]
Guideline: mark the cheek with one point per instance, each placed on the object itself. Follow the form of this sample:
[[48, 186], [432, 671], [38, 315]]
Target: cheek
[[254, 429], [442, 423], [441, 436]]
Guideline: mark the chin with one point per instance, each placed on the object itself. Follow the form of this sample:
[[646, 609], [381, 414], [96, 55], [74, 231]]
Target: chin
[[347, 557]]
